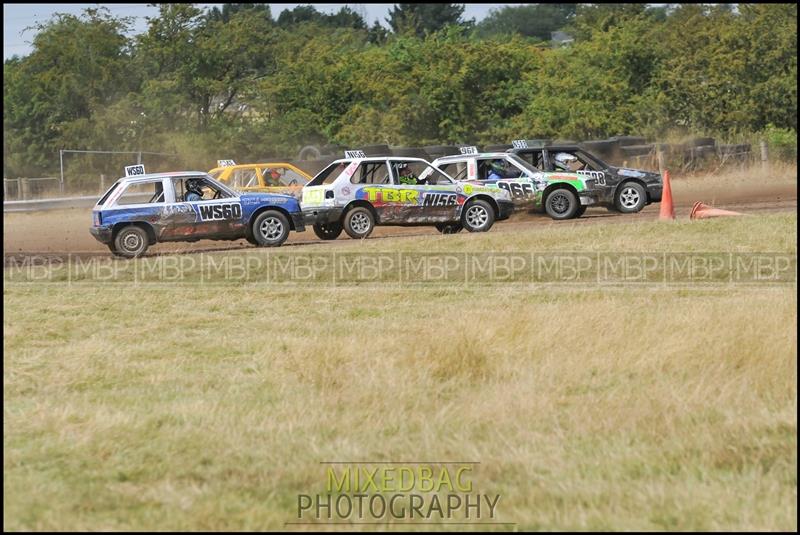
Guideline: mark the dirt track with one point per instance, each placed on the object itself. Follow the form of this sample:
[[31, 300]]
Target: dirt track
[[67, 231]]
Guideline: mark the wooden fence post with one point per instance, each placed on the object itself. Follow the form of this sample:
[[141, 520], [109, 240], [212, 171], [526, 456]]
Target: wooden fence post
[[764, 155]]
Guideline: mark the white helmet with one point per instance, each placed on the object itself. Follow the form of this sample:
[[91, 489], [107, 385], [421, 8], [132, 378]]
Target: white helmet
[[564, 159]]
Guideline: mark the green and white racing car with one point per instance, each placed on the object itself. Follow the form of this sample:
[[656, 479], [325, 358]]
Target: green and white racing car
[[562, 194]]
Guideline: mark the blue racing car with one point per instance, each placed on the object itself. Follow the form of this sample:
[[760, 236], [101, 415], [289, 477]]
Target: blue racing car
[[139, 211]]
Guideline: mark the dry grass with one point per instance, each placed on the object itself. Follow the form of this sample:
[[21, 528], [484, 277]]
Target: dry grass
[[210, 408]]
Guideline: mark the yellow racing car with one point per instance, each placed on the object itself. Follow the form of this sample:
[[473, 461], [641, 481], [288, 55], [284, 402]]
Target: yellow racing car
[[272, 177]]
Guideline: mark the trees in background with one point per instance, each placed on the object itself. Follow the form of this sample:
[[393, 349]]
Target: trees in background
[[532, 20], [233, 82], [423, 19]]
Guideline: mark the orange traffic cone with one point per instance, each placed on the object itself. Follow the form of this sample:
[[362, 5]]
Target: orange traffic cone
[[704, 211], [667, 209]]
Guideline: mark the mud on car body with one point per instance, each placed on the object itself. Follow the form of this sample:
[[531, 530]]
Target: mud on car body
[[139, 211], [619, 188], [357, 193], [563, 195]]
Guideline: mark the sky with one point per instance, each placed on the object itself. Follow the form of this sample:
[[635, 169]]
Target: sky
[[17, 17]]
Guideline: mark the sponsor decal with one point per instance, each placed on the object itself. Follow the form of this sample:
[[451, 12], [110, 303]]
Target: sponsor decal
[[351, 169], [631, 173], [217, 212], [346, 191], [440, 199], [402, 196], [468, 188], [172, 209], [516, 189], [598, 176], [134, 170], [314, 196]]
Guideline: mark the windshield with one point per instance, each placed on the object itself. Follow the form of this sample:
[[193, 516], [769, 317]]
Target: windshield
[[105, 196], [329, 174], [522, 163], [221, 185]]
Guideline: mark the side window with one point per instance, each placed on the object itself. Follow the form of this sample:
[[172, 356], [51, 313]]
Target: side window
[[199, 185], [142, 193], [244, 178], [570, 161], [483, 169], [535, 158], [457, 170], [371, 173], [282, 176]]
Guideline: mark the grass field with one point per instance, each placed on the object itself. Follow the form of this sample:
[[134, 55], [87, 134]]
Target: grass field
[[205, 407]]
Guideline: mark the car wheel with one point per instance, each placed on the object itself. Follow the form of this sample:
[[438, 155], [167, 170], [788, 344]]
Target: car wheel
[[328, 231], [630, 198], [478, 216], [561, 204], [580, 211], [449, 228], [113, 250], [359, 222], [131, 242], [270, 228]]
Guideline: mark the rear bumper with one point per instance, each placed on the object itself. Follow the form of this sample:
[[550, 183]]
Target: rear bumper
[[101, 233], [322, 215], [298, 221], [505, 209], [654, 192]]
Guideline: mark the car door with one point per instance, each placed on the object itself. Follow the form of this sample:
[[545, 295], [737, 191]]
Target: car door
[[520, 179], [217, 215], [373, 182], [437, 196]]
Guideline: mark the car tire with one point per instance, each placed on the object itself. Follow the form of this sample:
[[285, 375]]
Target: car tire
[[114, 250], [580, 211], [561, 203], [478, 216], [270, 228], [449, 228], [328, 231], [359, 222], [131, 241], [630, 198]]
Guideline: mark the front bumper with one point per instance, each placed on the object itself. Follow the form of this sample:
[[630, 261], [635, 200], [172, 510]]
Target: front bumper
[[101, 233], [322, 215]]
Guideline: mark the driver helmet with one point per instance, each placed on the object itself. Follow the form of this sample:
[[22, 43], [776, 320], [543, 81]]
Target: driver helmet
[[565, 159], [497, 165], [195, 185]]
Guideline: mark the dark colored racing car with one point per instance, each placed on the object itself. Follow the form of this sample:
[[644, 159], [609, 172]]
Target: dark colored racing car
[[620, 188]]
